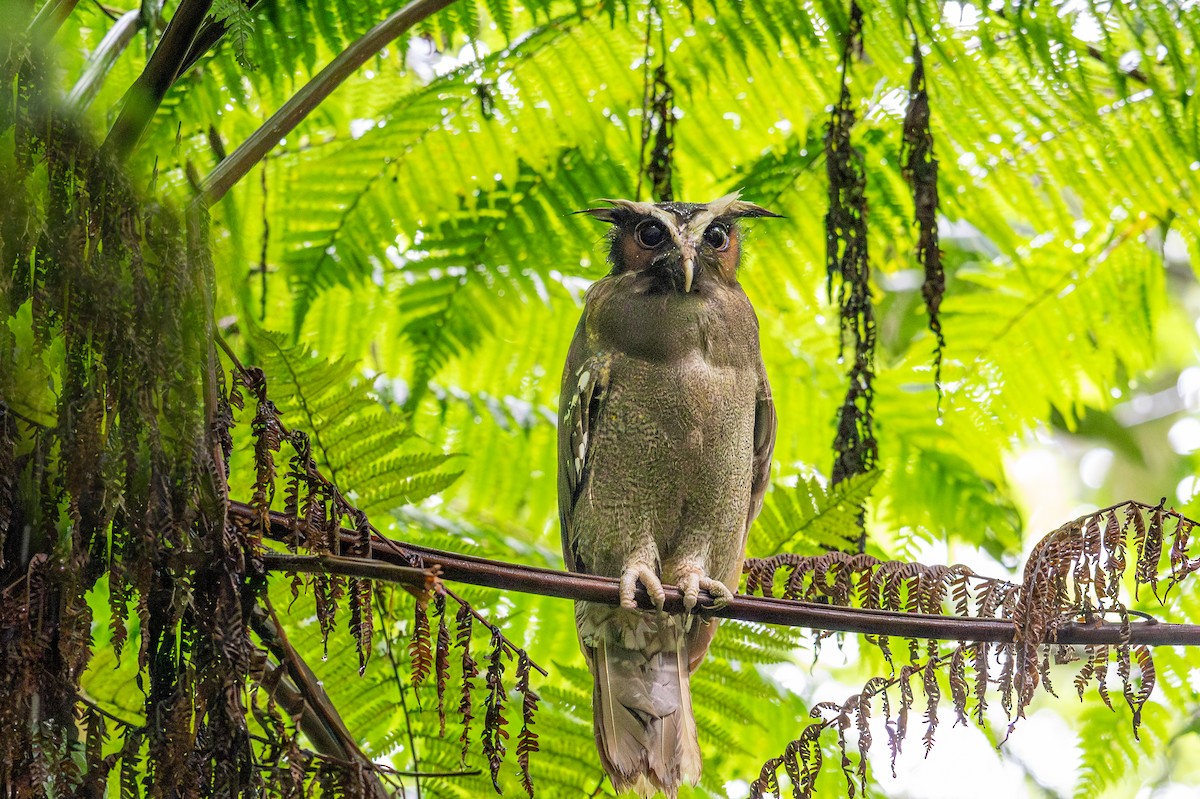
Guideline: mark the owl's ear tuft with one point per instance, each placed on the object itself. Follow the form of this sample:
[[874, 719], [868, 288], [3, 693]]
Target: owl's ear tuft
[[732, 207], [620, 212], [744, 209], [611, 215]]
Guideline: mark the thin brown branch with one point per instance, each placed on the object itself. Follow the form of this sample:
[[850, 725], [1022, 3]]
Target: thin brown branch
[[33, 423], [225, 348], [468, 773], [1133, 73], [377, 767], [106, 11], [565, 585], [351, 567], [270, 631], [302, 103], [278, 684], [388, 771]]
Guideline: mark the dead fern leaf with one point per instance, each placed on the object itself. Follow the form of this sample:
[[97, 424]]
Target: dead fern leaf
[[462, 637], [527, 739], [419, 647], [494, 735], [441, 660]]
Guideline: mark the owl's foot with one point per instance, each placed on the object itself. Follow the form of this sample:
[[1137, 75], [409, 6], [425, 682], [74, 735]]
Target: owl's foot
[[640, 572], [695, 579]]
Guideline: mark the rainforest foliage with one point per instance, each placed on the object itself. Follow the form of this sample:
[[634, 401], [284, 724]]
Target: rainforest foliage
[[220, 407]]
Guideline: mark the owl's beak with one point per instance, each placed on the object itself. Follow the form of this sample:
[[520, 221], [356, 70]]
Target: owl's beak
[[689, 264]]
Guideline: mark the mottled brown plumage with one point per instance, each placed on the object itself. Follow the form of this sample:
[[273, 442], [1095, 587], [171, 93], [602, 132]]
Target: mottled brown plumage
[[666, 427]]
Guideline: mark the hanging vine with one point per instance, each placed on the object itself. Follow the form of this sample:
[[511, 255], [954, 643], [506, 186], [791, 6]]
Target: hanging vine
[[848, 266], [921, 171], [658, 116]]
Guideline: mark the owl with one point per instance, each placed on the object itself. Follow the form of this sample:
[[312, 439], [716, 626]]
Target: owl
[[666, 427]]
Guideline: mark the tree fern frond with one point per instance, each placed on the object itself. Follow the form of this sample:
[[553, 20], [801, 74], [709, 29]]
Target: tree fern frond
[[811, 517]]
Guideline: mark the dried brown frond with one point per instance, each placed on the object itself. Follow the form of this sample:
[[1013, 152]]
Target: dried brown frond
[[268, 437], [848, 264], [904, 680], [1044, 671], [1181, 565], [527, 739], [362, 620], [1075, 574], [441, 661], [328, 589], [419, 647], [862, 724], [933, 695], [494, 735], [8, 473], [958, 685], [921, 171], [299, 487], [462, 637], [1137, 699], [130, 761]]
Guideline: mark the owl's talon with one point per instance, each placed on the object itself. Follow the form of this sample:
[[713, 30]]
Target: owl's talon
[[691, 584], [721, 595], [646, 576]]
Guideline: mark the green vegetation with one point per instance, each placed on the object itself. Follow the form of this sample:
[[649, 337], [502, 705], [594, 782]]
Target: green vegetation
[[404, 270]]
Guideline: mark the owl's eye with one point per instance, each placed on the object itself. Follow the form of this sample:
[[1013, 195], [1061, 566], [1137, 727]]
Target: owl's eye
[[650, 234], [716, 237]]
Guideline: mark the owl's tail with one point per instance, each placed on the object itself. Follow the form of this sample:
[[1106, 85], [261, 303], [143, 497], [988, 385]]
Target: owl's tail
[[642, 704]]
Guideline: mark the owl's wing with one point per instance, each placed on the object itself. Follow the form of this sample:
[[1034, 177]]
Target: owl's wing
[[764, 445], [584, 386]]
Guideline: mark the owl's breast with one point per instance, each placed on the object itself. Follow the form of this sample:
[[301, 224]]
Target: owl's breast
[[671, 452], [715, 324]]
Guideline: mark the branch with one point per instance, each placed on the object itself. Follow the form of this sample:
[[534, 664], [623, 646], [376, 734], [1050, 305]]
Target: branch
[[364, 568], [378, 768], [1133, 73], [324, 727], [148, 91], [276, 681], [101, 61], [94, 705], [302, 103], [49, 19], [766, 610]]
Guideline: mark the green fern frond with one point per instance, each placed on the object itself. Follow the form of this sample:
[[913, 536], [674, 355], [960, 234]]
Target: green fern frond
[[810, 517]]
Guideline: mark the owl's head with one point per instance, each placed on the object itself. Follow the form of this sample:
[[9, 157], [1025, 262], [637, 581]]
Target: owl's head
[[683, 244]]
